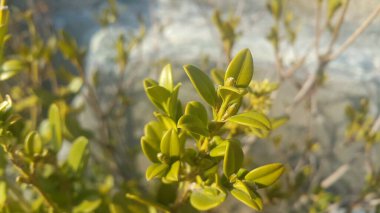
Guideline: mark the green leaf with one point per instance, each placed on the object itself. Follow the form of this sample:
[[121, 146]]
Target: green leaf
[[265, 175], [219, 150], [10, 68], [3, 194], [166, 77], [201, 83], [170, 144], [253, 202], [172, 105], [197, 109], [217, 76], [154, 131], [146, 202], [193, 124], [166, 121], [233, 159], [252, 119], [207, 198], [33, 144], [156, 170], [77, 154], [230, 94], [87, 206], [55, 123], [277, 122], [159, 96], [173, 173], [150, 148], [240, 69]]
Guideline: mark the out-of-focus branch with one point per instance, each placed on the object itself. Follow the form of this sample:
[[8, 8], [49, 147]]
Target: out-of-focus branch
[[356, 34]]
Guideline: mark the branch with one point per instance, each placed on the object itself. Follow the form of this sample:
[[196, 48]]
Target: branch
[[356, 34]]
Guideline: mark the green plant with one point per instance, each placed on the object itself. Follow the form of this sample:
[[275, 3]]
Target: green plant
[[187, 146]]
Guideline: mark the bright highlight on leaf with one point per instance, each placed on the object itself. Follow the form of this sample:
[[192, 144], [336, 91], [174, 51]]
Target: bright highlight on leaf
[[265, 175]]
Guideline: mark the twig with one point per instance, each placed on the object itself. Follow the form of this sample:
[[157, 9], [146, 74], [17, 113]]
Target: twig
[[356, 34]]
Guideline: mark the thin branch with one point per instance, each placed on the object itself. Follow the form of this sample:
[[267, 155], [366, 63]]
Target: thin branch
[[356, 34]]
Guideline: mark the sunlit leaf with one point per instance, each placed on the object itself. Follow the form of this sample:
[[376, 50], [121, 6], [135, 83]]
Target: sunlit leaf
[[87, 206], [255, 202], [193, 124], [265, 175], [33, 144], [166, 77], [207, 198], [233, 159], [201, 83], [10, 68], [77, 153], [252, 119], [170, 144], [240, 69], [156, 170], [55, 122], [173, 173]]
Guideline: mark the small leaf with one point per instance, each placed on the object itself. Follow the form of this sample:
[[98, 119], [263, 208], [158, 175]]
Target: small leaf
[[219, 150], [173, 173], [10, 68], [55, 123], [159, 96], [33, 144], [230, 94], [265, 175], [217, 76], [207, 198], [277, 122], [87, 206], [193, 124], [240, 69], [202, 84], [166, 77], [233, 158], [255, 202], [170, 144], [77, 154], [166, 121], [150, 148], [252, 119], [172, 105], [3, 194], [156, 170], [197, 109]]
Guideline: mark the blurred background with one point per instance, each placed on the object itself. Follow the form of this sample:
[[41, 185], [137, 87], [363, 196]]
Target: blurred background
[[330, 95]]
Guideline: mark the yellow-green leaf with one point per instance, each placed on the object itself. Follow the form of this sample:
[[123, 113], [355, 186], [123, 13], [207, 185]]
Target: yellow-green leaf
[[252, 119], [173, 173], [156, 170], [201, 83], [240, 69], [87, 206], [55, 123], [193, 124], [150, 148], [207, 198], [233, 158], [10, 68], [170, 144], [255, 202], [166, 77], [77, 155], [197, 109], [33, 144], [146, 202], [219, 150], [265, 175]]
